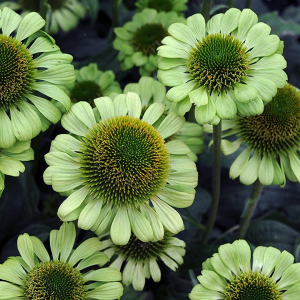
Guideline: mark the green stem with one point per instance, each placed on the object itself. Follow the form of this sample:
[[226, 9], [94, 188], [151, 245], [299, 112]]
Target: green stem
[[115, 12], [248, 4], [43, 8], [206, 5], [216, 181], [249, 208], [230, 3]]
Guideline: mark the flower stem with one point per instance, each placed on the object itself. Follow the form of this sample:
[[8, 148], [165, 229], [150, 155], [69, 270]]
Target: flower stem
[[248, 4], [249, 208], [216, 181], [230, 3], [115, 12], [206, 4]]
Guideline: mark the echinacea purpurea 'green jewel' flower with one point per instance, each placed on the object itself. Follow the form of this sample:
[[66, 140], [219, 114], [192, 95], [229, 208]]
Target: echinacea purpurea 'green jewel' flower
[[10, 161], [138, 39], [166, 5], [61, 14], [272, 141], [138, 260], [92, 83], [36, 276], [120, 174], [32, 70], [231, 274], [152, 91], [227, 67]]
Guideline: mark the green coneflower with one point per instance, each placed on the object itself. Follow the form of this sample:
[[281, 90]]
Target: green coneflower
[[32, 70], [116, 163], [231, 274], [167, 5], [92, 83], [138, 39], [138, 260], [61, 14], [36, 276], [152, 91], [10, 160], [272, 140], [229, 66]]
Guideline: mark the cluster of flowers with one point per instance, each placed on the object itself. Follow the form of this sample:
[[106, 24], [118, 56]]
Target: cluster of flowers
[[129, 156]]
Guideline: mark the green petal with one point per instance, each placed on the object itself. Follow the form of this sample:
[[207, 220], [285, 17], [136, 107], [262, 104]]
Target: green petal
[[189, 178], [170, 125], [134, 105], [140, 225], [84, 113], [46, 61], [289, 277], [199, 96], [178, 44], [214, 24], [98, 258], [212, 281], [179, 92], [220, 267], [84, 250], [206, 113], [226, 106], [228, 147], [177, 147], [122, 33], [182, 163], [9, 290], [266, 47], [270, 62], [277, 76], [39, 249], [10, 166], [120, 229], [286, 167], [169, 63], [61, 74], [247, 20], [171, 52], [54, 244], [30, 24], [251, 108], [257, 34], [153, 218], [112, 290], [66, 238], [42, 45], [67, 144], [183, 107], [66, 180], [271, 257], [154, 270], [250, 173], [279, 177], [139, 59], [169, 262], [197, 24], [71, 123], [295, 164], [104, 274], [170, 218], [89, 214], [230, 20], [239, 164], [245, 92], [229, 256], [244, 255], [12, 271], [266, 170], [25, 249], [173, 77], [7, 137], [153, 113], [183, 33], [9, 21], [284, 261]]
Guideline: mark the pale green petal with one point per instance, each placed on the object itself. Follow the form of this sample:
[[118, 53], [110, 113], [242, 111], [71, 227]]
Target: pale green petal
[[140, 226], [183, 33], [89, 214], [228, 147], [12, 271], [72, 202], [105, 107], [229, 256], [173, 77], [256, 34], [279, 177], [277, 76], [170, 218], [266, 47], [7, 137], [10, 20], [266, 171], [199, 96], [179, 92], [170, 52], [66, 239], [214, 24], [251, 108], [84, 113], [9, 290], [153, 113], [230, 20], [197, 24], [177, 147], [178, 44], [10, 166], [226, 106], [134, 105], [169, 63], [84, 250], [245, 92], [154, 270], [266, 88], [108, 291], [170, 125], [258, 258], [120, 229], [292, 292], [270, 62], [120, 107], [39, 249], [71, 123], [30, 24], [25, 249], [295, 164], [206, 113], [271, 257], [239, 164], [289, 277], [212, 281], [283, 262], [250, 173], [98, 258], [200, 292], [61, 74], [247, 20]]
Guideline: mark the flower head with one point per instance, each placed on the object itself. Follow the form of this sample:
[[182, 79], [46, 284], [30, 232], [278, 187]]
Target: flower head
[[138, 39], [35, 275], [152, 91], [231, 65], [138, 260], [92, 83], [10, 160], [166, 5], [32, 71], [272, 141], [231, 274], [61, 14], [115, 163]]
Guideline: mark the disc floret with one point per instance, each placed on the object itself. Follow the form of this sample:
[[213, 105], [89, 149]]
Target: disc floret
[[17, 71], [218, 62], [54, 279], [125, 161]]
